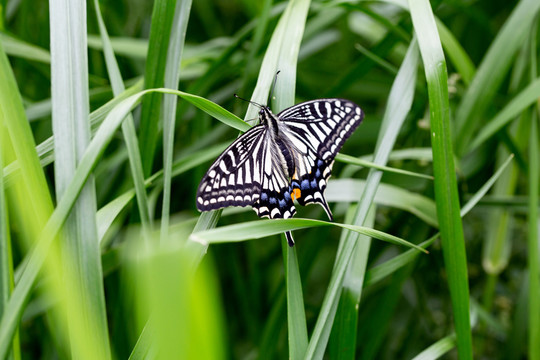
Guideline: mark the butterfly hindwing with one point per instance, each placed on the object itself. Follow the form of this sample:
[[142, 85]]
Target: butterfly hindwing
[[275, 201]]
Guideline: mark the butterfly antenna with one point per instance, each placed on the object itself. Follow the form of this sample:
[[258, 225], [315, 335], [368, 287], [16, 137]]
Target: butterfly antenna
[[273, 86], [249, 101]]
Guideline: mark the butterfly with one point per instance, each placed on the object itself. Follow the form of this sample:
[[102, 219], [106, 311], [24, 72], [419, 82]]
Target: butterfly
[[287, 157]]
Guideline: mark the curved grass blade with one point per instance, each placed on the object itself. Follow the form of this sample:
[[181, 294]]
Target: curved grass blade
[[262, 228], [446, 194], [438, 349]]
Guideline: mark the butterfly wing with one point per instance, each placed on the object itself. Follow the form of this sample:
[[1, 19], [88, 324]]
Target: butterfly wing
[[317, 129], [248, 173], [234, 179]]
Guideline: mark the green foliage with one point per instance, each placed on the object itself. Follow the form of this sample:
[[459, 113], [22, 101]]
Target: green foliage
[[121, 265]]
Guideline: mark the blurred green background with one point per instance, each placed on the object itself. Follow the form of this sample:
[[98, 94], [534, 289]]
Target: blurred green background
[[236, 304]]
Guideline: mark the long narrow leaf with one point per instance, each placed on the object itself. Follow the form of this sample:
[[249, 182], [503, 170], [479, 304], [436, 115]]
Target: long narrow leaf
[[71, 129], [446, 194]]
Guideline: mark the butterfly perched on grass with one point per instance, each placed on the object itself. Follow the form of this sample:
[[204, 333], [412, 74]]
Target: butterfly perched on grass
[[288, 156]]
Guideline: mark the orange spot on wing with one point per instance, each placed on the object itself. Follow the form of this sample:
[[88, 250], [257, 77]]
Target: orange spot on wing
[[296, 194]]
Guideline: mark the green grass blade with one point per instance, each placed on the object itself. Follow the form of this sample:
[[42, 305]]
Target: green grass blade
[[172, 75], [521, 101], [533, 257], [446, 194], [296, 318], [18, 145], [19, 48], [71, 129], [360, 162], [160, 32], [492, 71], [6, 262], [438, 349], [456, 53], [128, 127], [398, 106], [262, 228], [344, 331]]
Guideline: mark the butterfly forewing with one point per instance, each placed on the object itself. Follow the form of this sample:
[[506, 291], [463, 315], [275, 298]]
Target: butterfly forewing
[[234, 179]]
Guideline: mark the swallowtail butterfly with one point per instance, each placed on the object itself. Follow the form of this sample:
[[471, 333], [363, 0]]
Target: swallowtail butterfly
[[288, 156]]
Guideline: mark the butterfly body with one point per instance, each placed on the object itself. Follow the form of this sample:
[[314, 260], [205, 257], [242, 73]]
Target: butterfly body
[[287, 157]]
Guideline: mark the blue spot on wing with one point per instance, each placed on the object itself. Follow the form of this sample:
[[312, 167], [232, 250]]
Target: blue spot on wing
[[282, 203], [313, 183], [273, 200], [305, 184], [264, 196]]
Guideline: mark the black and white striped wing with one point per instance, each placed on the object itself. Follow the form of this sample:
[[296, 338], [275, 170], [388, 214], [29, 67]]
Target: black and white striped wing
[[248, 173], [317, 129], [234, 179]]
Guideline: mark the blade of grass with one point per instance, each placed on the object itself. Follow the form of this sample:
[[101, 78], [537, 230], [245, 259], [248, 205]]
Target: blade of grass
[[360, 162], [438, 349], [160, 32], [19, 48], [456, 53], [398, 106], [492, 72], [172, 76], [533, 257], [296, 316], [71, 129], [344, 331], [128, 127], [32, 198], [6, 262], [262, 228], [446, 194], [520, 102]]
